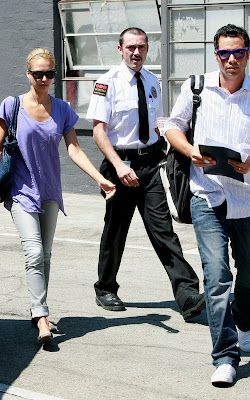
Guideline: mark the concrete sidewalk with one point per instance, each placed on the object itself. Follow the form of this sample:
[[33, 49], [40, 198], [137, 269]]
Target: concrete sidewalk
[[146, 352]]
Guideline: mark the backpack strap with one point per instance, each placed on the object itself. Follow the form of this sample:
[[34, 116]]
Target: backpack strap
[[196, 85]]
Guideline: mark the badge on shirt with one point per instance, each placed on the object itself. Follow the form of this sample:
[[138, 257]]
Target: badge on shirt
[[100, 89], [154, 92]]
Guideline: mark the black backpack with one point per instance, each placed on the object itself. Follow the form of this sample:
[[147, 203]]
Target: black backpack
[[176, 169]]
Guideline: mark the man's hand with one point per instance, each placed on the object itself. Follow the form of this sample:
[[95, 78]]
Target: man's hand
[[199, 160], [124, 172], [242, 168], [127, 175]]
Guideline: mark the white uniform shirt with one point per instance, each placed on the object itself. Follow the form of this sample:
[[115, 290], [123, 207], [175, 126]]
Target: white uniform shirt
[[221, 117], [117, 105]]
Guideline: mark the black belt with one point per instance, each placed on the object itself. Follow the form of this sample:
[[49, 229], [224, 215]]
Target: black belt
[[143, 151]]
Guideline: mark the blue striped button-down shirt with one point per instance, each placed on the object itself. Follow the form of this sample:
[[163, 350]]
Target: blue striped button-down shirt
[[221, 117]]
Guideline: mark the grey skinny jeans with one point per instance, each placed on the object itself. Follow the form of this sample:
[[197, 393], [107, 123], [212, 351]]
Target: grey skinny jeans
[[36, 232]]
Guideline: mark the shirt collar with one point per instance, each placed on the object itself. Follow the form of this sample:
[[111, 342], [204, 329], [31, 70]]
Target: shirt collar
[[246, 83], [213, 81], [129, 73]]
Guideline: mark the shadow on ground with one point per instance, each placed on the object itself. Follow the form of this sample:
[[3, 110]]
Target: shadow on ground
[[18, 339], [201, 319], [73, 327], [18, 347]]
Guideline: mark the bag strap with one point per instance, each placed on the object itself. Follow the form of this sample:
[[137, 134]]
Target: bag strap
[[197, 84], [13, 123]]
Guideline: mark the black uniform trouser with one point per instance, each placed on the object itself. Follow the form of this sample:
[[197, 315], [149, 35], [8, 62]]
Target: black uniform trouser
[[151, 201]]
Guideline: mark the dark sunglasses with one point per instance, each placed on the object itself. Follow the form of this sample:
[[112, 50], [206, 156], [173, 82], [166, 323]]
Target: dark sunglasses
[[238, 53], [40, 74]]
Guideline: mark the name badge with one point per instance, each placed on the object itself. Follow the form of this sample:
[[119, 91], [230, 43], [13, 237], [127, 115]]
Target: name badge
[[154, 92]]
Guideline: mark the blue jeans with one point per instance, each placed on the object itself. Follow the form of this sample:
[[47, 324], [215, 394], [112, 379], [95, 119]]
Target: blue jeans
[[213, 232]]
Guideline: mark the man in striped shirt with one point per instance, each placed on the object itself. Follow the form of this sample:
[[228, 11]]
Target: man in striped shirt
[[220, 204]]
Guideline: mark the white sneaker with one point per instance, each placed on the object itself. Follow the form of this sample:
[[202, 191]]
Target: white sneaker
[[224, 374], [244, 340]]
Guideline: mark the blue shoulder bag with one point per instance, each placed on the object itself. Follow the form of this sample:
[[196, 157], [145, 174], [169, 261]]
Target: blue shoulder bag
[[10, 149]]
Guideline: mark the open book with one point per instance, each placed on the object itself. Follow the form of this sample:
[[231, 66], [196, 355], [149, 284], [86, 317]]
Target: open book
[[221, 152]]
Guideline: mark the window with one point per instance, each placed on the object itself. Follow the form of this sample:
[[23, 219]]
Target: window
[[91, 31], [191, 31]]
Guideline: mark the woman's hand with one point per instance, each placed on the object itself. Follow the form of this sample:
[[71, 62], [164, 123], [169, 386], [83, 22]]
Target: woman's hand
[[108, 187]]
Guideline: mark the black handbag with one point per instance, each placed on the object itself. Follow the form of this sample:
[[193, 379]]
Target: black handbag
[[10, 149], [176, 169]]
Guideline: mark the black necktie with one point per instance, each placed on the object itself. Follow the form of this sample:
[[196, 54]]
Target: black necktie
[[143, 111]]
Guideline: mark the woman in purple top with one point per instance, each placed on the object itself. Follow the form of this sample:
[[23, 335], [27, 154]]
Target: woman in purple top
[[36, 194]]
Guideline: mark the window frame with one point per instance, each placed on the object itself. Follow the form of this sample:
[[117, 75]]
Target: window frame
[[93, 72], [167, 70], [66, 46]]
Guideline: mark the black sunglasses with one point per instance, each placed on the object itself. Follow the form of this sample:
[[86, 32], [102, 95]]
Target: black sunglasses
[[40, 74], [238, 53]]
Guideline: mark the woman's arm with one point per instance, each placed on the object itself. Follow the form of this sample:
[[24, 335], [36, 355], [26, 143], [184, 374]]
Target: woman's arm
[[81, 160]]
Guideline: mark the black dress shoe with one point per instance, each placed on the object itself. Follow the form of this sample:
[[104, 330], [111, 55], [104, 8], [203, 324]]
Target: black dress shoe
[[111, 302], [193, 306]]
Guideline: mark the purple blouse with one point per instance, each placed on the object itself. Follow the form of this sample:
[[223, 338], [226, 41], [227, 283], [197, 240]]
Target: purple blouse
[[37, 175]]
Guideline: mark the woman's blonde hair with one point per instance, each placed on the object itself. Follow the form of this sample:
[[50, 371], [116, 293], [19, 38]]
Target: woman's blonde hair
[[40, 52]]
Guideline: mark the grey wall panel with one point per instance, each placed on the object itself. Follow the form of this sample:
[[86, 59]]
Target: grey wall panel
[[25, 25]]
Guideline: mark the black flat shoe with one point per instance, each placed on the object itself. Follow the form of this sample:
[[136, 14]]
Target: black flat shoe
[[111, 302], [193, 306], [46, 338]]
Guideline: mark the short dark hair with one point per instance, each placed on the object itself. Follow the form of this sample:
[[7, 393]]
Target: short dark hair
[[134, 31], [232, 31]]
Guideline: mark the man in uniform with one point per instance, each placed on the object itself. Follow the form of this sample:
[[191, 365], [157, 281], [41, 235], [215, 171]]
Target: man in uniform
[[124, 106], [220, 204]]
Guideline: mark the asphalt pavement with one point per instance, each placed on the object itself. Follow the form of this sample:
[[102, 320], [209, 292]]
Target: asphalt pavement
[[147, 351]]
